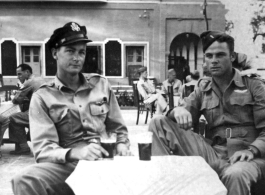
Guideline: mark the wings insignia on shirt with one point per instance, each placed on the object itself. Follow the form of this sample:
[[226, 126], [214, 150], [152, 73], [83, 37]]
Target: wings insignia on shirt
[[240, 90]]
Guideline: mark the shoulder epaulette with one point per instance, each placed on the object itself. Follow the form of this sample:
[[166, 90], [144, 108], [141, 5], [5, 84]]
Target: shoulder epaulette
[[204, 82], [48, 84], [88, 76], [255, 76]]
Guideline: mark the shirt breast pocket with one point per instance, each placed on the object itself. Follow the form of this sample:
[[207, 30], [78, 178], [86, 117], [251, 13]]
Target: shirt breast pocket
[[209, 108], [99, 114], [241, 105]]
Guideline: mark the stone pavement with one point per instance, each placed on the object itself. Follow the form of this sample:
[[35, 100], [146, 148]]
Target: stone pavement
[[10, 165]]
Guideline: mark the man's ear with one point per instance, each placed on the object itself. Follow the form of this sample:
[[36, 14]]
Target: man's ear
[[233, 57], [54, 53]]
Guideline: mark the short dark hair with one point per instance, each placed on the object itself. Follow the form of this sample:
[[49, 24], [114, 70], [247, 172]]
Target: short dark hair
[[25, 67], [229, 40]]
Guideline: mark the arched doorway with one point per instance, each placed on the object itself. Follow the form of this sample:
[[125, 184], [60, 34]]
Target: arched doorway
[[185, 54]]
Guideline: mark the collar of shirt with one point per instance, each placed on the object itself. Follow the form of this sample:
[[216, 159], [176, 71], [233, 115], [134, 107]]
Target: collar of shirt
[[171, 83], [143, 80], [84, 83], [237, 80]]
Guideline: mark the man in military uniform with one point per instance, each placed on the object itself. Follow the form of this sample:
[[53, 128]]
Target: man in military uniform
[[234, 107], [150, 94], [68, 117], [19, 121], [172, 81]]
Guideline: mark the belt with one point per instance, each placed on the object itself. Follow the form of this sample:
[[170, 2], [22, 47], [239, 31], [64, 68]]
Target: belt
[[235, 132]]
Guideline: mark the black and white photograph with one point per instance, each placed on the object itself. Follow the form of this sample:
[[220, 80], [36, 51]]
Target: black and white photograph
[[132, 97]]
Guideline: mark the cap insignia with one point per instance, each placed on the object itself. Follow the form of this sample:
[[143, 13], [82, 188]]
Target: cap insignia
[[75, 27], [211, 36]]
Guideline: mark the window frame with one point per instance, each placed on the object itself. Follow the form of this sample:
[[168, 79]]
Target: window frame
[[17, 55], [104, 57], [32, 44], [136, 44], [101, 45]]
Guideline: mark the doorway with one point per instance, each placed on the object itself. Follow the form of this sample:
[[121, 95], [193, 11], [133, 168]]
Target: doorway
[[185, 52], [31, 56]]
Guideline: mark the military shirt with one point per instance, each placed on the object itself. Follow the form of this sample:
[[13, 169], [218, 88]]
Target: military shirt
[[60, 117], [29, 87], [176, 86], [242, 104], [145, 87]]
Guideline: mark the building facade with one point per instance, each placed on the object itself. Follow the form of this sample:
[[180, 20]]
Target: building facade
[[158, 34]]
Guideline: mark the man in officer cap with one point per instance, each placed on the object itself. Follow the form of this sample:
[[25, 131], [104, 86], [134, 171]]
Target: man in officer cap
[[69, 117], [234, 107]]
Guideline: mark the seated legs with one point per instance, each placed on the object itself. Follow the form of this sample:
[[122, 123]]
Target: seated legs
[[169, 139]]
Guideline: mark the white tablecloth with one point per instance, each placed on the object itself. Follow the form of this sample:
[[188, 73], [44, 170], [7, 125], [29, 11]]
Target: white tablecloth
[[167, 175]]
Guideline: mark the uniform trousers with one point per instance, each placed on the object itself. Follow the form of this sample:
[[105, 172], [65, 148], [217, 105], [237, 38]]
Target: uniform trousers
[[160, 102], [44, 179], [18, 122], [169, 139]]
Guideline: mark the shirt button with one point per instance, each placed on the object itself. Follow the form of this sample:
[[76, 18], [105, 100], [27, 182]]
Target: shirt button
[[80, 106], [102, 111], [84, 121]]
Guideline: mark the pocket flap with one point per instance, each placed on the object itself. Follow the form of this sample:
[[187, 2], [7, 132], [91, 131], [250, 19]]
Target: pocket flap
[[209, 104], [242, 99], [98, 109]]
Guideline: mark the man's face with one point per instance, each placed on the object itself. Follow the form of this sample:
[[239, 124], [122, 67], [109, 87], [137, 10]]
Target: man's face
[[70, 58], [22, 75], [218, 59], [172, 76]]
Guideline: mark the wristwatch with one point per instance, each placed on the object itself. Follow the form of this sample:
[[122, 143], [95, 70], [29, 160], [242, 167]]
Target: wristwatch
[[255, 153], [251, 150]]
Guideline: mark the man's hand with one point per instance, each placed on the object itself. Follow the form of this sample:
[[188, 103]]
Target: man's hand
[[123, 150], [242, 155], [90, 152], [183, 118]]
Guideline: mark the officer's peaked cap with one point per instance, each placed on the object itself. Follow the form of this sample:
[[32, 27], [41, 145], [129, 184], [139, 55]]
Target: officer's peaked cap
[[70, 33]]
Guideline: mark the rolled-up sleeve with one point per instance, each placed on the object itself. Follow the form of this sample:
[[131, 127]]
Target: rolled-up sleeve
[[22, 93], [44, 136]]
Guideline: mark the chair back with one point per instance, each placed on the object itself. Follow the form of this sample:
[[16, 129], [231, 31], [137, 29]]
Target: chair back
[[188, 89], [137, 96], [170, 97]]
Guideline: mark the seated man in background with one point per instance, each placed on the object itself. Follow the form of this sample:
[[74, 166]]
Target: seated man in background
[[68, 117], [147, 90], [188, 78], [234, 107], [205, 70], [172, 81], [240, 61], [195, 76], [19, 121]]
